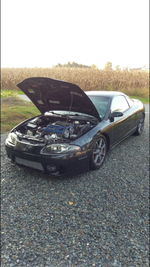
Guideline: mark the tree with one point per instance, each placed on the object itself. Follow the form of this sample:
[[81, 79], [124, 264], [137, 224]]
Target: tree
[[117, 67], [108, 65], [71, 65], [93, 66], [59, 65]]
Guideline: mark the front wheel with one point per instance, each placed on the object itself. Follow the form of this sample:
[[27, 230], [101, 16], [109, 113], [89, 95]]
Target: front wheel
[[98, 152], [140, 126]]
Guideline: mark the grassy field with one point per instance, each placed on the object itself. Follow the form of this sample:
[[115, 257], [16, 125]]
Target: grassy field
[[132, 83], [15, 110]]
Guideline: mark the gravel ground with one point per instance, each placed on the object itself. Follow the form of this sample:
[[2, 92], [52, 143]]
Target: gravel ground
[[99, 218]]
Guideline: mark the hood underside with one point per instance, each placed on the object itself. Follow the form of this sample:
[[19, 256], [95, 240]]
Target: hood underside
[[49, 94]]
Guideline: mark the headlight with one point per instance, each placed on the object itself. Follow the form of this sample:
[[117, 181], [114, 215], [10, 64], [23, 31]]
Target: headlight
[[59, 148], [12, 138]]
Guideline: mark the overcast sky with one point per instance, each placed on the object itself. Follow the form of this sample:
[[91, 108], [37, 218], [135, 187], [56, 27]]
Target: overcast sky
[[43, 33]]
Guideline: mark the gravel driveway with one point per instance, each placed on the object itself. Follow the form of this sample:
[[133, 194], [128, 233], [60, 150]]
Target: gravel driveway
[[99, 218]]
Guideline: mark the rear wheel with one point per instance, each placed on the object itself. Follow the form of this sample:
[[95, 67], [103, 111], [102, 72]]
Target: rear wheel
[[98, 152], [140, 126]]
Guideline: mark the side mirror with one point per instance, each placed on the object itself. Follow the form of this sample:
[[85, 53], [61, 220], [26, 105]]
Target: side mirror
[[115, 114]]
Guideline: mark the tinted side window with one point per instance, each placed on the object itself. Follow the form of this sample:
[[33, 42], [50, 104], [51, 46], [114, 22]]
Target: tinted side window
[[119, 103]]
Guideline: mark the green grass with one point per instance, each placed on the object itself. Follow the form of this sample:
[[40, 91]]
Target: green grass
[[144, 100], [14, 111]]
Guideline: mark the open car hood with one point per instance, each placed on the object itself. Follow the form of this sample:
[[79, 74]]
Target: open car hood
[[49, 94]]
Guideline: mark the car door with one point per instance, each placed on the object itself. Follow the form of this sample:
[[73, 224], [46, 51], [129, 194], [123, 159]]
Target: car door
[[120, 125]]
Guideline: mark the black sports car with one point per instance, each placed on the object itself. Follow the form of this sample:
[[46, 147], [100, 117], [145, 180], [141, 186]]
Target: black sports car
[[75, 129]]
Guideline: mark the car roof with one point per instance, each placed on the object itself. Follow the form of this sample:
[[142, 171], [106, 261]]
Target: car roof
[[110, 94]]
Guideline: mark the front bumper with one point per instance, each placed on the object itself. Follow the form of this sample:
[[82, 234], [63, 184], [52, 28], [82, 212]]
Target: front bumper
[[54, 164]]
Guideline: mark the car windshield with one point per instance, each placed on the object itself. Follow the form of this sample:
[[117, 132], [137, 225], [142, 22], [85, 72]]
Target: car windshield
[[101, 104]]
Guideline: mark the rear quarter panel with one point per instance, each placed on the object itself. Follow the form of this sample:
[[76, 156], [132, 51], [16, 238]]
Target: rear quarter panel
[[136, 111]]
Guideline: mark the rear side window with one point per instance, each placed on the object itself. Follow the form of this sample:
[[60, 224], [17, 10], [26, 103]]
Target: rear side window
[[119, 103]]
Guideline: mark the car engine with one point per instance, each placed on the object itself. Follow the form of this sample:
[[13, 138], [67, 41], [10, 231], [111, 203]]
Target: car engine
[[52, 129]]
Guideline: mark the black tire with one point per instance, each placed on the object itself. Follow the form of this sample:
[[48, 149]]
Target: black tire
[[99, 151], [140, 126]]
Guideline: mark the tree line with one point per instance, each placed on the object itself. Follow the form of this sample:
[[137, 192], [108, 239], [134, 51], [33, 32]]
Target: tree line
[[75, 65], [108, 65]]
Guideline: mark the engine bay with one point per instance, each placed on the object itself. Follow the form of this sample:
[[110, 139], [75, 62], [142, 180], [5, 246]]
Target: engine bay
[[49, 129]]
